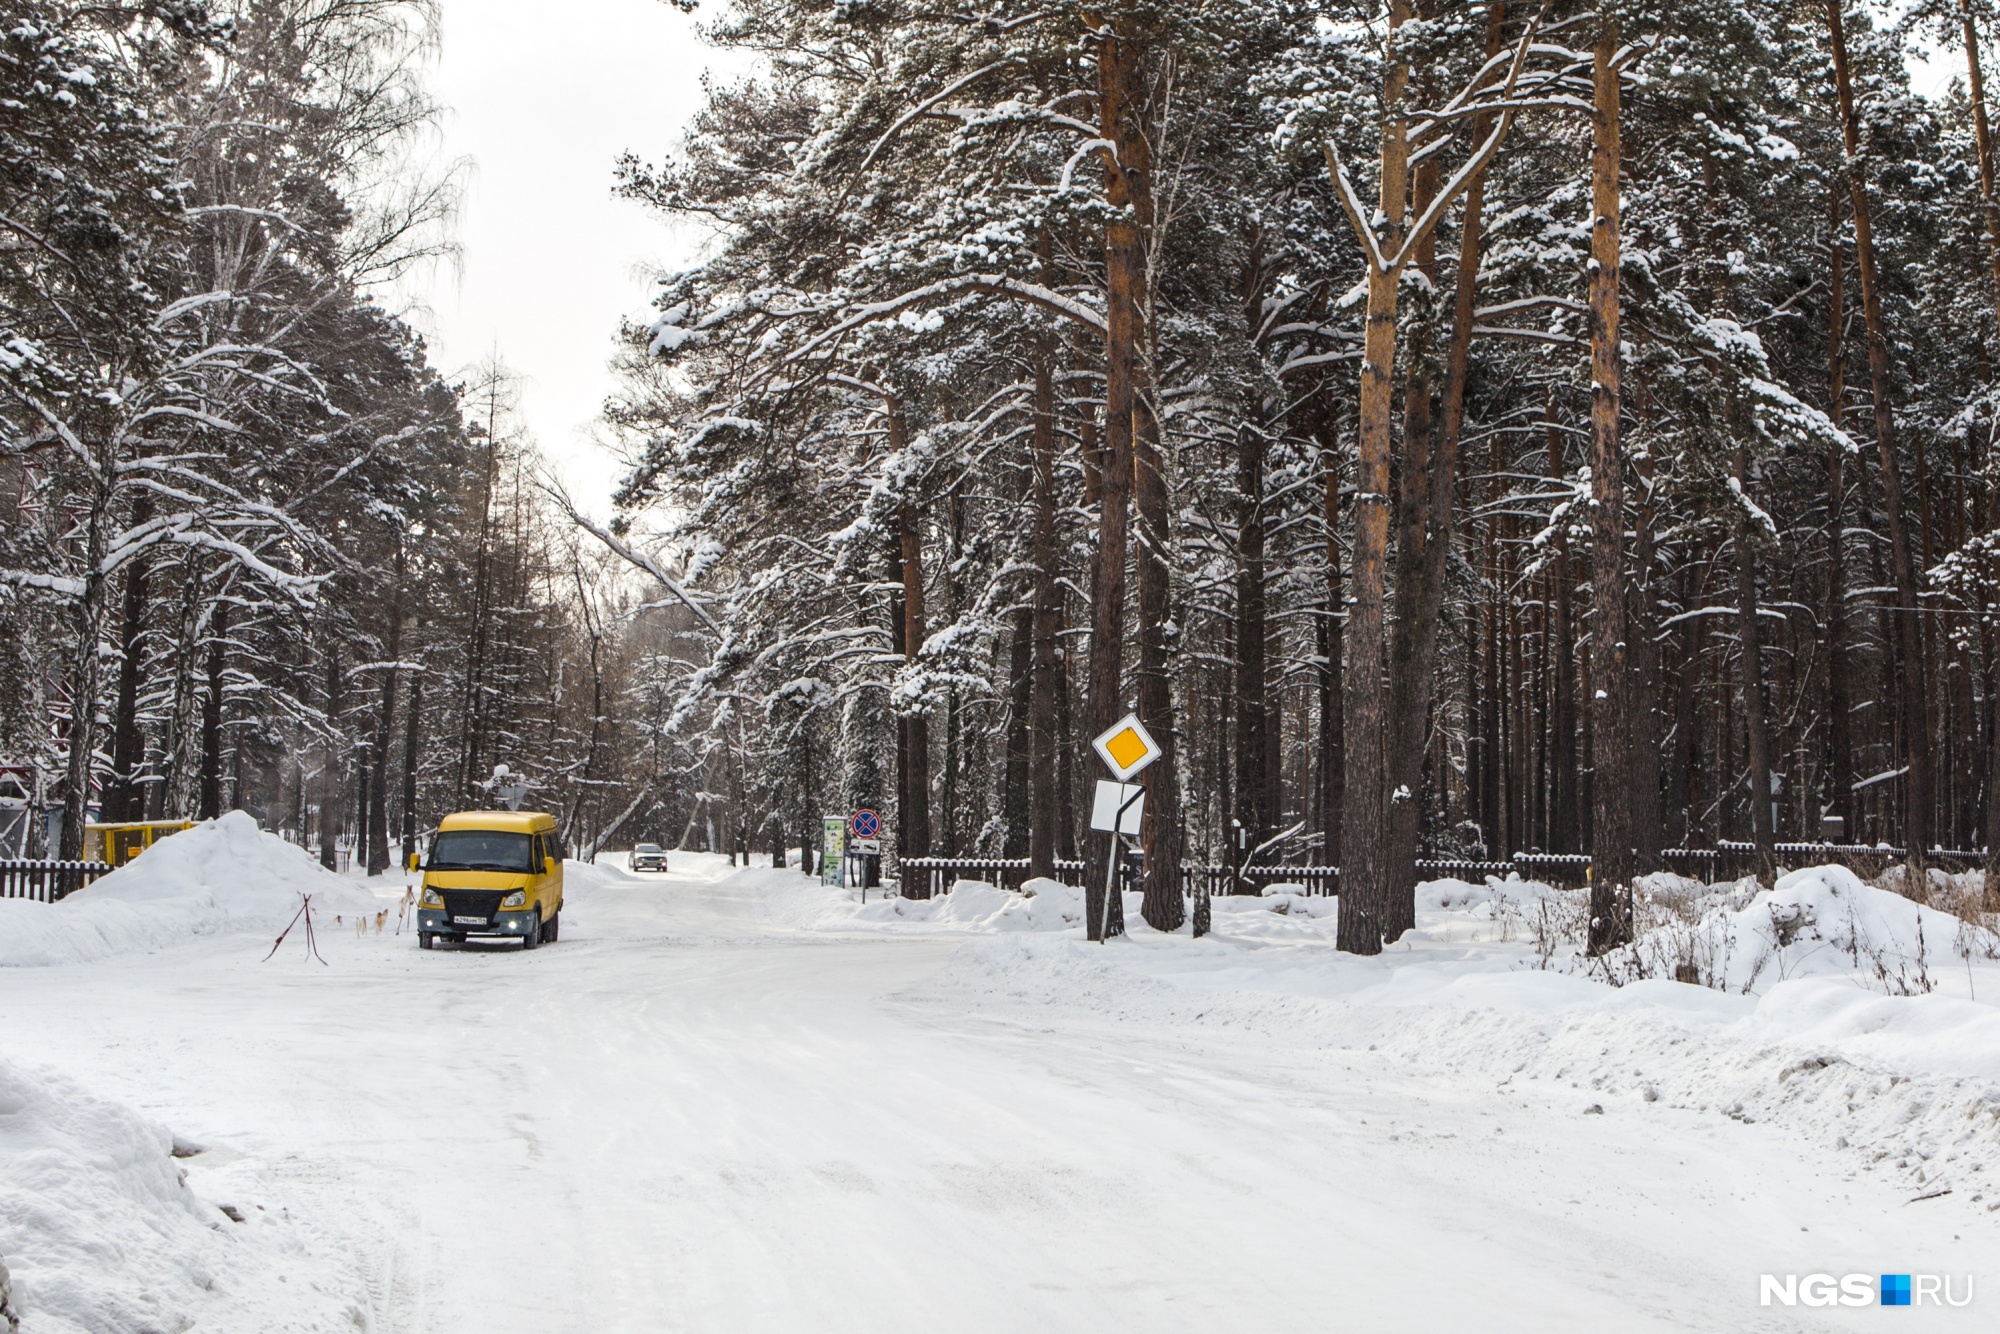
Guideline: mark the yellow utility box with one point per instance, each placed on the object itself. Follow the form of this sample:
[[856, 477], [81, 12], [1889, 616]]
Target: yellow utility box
[[116, 844]]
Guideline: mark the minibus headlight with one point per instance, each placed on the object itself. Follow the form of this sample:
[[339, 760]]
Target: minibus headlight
[[432, 899], [518, 899]]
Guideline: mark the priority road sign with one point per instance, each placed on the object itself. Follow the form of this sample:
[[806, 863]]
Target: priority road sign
[[865, 824], [1127, 748]]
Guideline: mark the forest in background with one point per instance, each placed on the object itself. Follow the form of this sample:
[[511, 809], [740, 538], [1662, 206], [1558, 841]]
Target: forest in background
[[262, 554], [1455, 429]]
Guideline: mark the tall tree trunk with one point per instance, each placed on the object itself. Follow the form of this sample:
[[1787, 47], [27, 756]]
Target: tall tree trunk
[[1372, 909], [1332, 646], [124, 798], [1991, 827], [1750, 658], [412, 730], [1982, 137], [1365, 888], [1498, 830], [210, 799], [1163, 907], [330, 786], [1644, 742], [1411, 672], [1425, 524], [916, 817], [1118, 74], [1152, 551], [1471, 244], [1020, 776], [1563, 723], [1915, 692], [1611, 779], [1840, 748], [173, 795], [1253, 807], [1049, 676], [1983, 141], [377, 818]]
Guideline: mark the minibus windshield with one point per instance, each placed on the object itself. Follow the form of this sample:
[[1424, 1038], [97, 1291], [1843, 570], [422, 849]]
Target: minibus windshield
[[479, 850]]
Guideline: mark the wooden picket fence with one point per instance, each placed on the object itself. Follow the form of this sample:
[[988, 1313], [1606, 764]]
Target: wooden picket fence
[[47, 882]]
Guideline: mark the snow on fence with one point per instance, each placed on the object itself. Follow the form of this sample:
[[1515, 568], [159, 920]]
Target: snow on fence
[[1731, 860], [928, 877], [47, 882], [1223, 880]]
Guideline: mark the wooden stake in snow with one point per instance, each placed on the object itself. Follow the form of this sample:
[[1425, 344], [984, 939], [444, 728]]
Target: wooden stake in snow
[[312, 945]]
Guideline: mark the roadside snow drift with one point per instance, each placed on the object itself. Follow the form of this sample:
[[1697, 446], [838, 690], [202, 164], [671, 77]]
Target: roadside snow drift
[[1819, 921], [96, 1226], [222, 876], [798, 900], [109, 1225], [1847, 1012], [975, 907], [598, 875]]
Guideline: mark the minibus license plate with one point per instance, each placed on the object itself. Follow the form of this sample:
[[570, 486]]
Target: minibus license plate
[[471, 921]]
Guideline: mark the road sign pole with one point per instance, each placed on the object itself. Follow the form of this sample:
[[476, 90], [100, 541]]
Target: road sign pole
[[1126, 748], [1114, 863]]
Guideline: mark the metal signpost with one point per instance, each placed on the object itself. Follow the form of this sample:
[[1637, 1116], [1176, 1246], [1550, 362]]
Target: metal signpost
[[1119, 810], [864, 830]]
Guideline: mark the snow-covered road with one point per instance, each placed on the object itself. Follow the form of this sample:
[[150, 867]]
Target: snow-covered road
[[684, 1116]]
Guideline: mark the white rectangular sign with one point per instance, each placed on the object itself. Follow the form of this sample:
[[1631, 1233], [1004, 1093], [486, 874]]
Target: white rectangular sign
[[870, 846], [1110, 796]]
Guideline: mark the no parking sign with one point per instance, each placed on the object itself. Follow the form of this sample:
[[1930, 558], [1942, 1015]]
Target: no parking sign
[[865, 824]]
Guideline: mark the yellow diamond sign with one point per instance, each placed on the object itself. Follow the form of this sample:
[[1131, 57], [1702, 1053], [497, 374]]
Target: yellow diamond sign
[[1127, 747]]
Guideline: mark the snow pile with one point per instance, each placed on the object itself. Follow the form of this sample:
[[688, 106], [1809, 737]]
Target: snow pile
[[1909, 1084], [1496, 894], [222, 876], [971, 906], [1847, 1013], [111, 1225], [1815, 922], [95, 1223], [589, 876]]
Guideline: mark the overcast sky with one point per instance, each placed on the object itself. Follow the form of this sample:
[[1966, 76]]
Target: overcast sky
[[551, 261]]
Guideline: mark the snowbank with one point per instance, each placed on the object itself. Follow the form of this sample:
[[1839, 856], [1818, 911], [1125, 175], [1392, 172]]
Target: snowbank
[[1910, 1084], [974, 907], [1845, 1012], [800, 901], [222, 876], [1819, 921], [112, 1226], [95, 1223], [589, 876]]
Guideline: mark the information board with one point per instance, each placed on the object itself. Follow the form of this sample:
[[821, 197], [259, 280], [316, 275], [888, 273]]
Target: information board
[[833, 849]]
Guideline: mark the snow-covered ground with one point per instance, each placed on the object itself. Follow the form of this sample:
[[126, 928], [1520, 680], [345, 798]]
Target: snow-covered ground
[[736, 1100]]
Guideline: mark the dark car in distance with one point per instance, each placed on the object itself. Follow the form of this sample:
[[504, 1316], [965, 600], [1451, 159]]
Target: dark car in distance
[[648, 857]]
